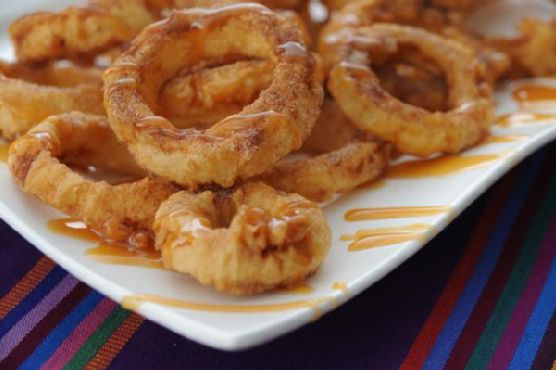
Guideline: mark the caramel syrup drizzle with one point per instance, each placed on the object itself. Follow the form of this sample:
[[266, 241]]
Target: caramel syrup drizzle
[[493, 139], [114, 254], [365, 214], [439, 166], [528, 95], [523, 118], [133, 302], [299, 289], [531, 93], [381, 237], [4, 149]]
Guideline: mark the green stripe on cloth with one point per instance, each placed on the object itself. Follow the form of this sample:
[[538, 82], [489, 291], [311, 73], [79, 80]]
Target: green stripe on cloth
[[514, 286], [97, 340]]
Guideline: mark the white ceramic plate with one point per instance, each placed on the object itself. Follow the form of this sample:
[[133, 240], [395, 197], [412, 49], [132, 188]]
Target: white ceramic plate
[[209, 319]]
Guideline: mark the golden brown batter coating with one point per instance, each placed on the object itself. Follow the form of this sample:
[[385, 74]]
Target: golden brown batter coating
[[240, 146], [120, 213], [243, 241]]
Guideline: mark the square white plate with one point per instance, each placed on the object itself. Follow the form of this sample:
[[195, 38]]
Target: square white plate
[[210, 318]]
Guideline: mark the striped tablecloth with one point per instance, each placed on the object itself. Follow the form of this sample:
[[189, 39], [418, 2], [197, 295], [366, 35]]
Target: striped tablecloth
[[481, 295]]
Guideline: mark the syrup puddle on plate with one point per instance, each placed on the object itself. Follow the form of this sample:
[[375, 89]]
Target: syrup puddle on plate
[[365, 214], [105, 252], [382, 237], [494, 139], [374, 185], [439, 166], [341, 286], [132, 302], [378, 241], [523, 118], [73, 228], [4, 149], [531, 93], [299, 289], [119, 255]]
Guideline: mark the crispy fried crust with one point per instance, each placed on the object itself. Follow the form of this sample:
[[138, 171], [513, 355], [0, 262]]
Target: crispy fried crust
[[240, 146], [411, 129], [276, 4], [82, 31], [78, 31], [202, 97], [122, 212], [533, 52], [245, 241], [323, 176], [339, 158], [28, 95], [449, 24]]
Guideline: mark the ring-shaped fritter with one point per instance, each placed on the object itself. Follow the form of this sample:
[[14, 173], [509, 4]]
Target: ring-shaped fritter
[[240, 146], [120, 213], [28, 94], [244, 241], [411, 129]]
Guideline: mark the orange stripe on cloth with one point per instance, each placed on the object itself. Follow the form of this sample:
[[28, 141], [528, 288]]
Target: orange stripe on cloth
[[116, 343], [26, 285]]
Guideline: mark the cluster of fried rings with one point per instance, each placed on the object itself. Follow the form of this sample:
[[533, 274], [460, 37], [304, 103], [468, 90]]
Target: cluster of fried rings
[[206, 106], [276, 238]]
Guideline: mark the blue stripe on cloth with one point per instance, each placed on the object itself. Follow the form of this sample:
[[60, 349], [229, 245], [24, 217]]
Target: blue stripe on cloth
[[32, 299], [536, 326], [57, 336], [466, 302]]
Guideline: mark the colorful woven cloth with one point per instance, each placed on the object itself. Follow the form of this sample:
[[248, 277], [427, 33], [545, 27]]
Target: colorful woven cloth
[[482, 295]]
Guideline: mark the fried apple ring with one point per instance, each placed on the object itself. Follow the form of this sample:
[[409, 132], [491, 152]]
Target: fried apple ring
[[246, 241], [321, 177], [120, 213], [209, 92], [30, 94], [345, 159], [77, 31], [363, 13], [54, 74], [239, 146], [414, 130], [360, 14], [533, 52], [80, 32], [205, 96]]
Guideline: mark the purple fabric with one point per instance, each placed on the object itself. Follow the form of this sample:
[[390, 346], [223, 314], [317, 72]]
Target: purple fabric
[[28, 322]]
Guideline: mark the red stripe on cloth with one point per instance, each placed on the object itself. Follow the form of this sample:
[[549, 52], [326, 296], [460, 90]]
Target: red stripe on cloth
[[432, 327], [80, 334], [43, 328], [489, 298], [26, 285], [116, 343]]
